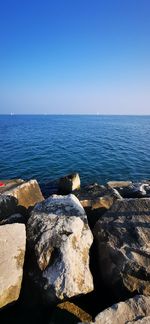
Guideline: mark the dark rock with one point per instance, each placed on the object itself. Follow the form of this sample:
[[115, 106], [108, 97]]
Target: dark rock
[[122, 237], [96, 200], [132, 190], [8, 206], [15, 218], [69, 183]]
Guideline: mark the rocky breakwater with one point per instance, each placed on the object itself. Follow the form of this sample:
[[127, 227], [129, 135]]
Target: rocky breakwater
[[51, 270]]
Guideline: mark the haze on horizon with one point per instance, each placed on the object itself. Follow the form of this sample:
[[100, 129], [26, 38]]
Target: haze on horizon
[[71, 57]]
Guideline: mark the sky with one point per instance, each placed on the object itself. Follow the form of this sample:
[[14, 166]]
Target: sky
[[75, 56]]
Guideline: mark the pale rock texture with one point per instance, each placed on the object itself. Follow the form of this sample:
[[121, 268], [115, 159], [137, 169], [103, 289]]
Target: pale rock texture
[[59, 242], [123, 243], [12, 251], [27, 193], [130, 311]]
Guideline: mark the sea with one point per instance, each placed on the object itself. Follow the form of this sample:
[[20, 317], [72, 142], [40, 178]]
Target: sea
[[100, 148]]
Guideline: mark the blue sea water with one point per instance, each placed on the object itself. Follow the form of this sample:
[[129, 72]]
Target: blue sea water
[[100, 148]]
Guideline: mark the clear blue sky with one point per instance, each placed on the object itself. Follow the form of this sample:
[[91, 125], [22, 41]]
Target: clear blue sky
[[75, 56]]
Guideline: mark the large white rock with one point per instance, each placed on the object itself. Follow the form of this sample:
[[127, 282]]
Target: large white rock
[[59, 242], [124, 312], [68, 205], [12, 250]]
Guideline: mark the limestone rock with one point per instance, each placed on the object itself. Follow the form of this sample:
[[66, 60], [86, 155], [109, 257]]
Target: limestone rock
[[8, 206], [59, 205], [69, 183], [12, 250], [9, 184], [128, 189], [122, 236], [119, 184], [27, 193], [97, 196], [59, 242], [132, 309], [144, 320]]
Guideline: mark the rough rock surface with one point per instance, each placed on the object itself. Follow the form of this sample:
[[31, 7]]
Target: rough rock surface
[[9, 184], [132, 309], [27, 193], [69, 183], [97, 196], [59, 244], [127, 189], [15, 218], [144, 320], [12, 250], [59, 205], [119, 184], [123, 243], [8, 206]]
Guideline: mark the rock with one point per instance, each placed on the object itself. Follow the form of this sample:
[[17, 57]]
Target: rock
[[131, 190], [12, 250], [69, 183], [122, 237], [96, 200], [61, 205], [97, 196], [144, 320], [27, 193], [119, 184], [8, 206], [9, 184], [69, 313], [132, 309], [15, 218], [59, 242]]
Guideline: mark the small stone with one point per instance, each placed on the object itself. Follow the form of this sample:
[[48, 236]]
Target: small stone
[[69, 313], [119, 184], [69, 183], [12, 250]]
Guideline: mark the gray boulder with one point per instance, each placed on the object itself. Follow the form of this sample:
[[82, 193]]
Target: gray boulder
[[12, 250], [129, 311], [122, 237], [59, 240]]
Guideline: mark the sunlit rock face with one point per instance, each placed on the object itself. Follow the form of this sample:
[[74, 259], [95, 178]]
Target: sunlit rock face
[[12, 251], [59, 240]]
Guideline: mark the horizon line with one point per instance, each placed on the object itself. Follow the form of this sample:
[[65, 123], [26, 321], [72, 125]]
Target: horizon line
[[67, 114]]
